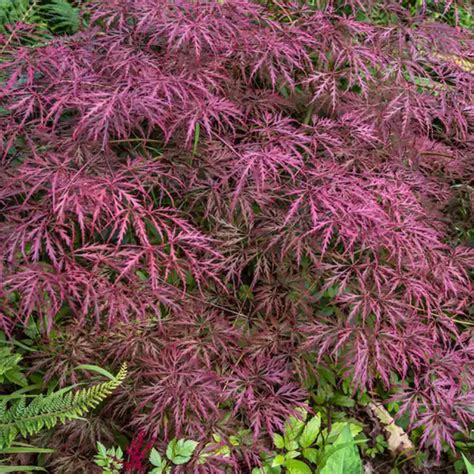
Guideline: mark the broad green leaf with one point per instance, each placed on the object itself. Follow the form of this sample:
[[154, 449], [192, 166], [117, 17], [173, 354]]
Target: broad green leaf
[[311, 454], [310, 432], [330, 449], [101, 449], [364, 399], [293, 428], [294, 466], [160, 470], [291, 445], [170, 449], [337, 428], [180, 451], [343, 401], [469, 466], [266, 470], [278, 460], [345, 460], [292, 454], [328, 375], [278, 441], [155, 458]]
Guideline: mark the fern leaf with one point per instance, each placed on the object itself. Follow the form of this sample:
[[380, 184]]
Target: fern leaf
[[8, 360], [55, 15], [61, 16], [12, 11], [47, 411]]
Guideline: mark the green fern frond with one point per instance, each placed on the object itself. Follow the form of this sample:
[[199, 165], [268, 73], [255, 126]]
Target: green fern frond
[[55, 15], [10, 370], [13, 11], [61, 15], [45, 411], [8, 360]]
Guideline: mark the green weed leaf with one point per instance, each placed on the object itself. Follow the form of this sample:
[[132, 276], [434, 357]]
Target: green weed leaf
[[278, 460], [180, 451], [310, 432], [293, 428], [278, 441], [155, 458], [345, 460], [96, 368], [295, 466], [469, 466], [311, 454]]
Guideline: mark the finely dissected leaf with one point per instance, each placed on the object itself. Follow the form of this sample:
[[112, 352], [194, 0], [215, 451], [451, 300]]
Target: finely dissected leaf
[[61, 15], [10, 371], [45, 411], [345, 460], [55, 15], [224, 188]]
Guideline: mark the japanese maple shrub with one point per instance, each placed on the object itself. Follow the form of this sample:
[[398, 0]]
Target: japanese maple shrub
[[186, 181]]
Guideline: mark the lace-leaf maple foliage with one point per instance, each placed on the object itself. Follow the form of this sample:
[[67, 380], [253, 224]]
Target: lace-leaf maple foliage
[[174, 152]]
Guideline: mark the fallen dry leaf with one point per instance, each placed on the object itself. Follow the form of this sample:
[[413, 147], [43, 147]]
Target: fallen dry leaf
[[398, 441]]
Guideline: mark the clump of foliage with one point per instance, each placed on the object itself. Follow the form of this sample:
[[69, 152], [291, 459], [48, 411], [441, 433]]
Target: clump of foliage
[[26, 411], [306, 446], [10, 370], [233, 196], [19, 417], [110, 460], [178, 452], [304, 437], [54, 16]]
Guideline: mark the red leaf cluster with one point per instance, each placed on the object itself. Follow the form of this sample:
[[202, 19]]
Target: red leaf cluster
[[175, 151]]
